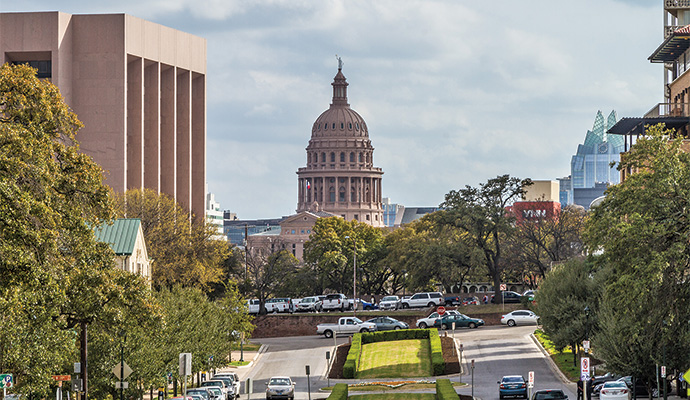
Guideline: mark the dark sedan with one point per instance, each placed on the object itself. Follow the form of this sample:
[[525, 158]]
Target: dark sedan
[[388, 324], [461, 321], [507, 297]]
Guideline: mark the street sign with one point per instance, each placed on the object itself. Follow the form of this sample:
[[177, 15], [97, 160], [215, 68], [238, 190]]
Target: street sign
[[76, 384], [121, 385], [503, 286], [6, 381], [124, 368], [686, 375], [169, 377], [62, 378], [306, 367], [77, 368], [441, 310], [584, 368], [328, 355], [585, 344], [663, 371], [185, 364], [531, 379]]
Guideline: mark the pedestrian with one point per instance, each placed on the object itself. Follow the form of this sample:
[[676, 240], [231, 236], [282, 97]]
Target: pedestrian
[[579, 389], [590, 389], [486, 299]]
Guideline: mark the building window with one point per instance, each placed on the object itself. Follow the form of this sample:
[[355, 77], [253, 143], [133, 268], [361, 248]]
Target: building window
[[323, 157], [360, 157], [357, 125], [341, 195], [334, 126], [325, 126], [357, 217], [331, 194], [353, 195], [352, 157], [292, 231], [342, 125], [367, 217], [44, 68], [332, 157], [342, 157], [349, 126]]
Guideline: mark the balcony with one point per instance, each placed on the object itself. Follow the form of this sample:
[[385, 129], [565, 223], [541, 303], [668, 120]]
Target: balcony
[[669, 110], [676, 4]]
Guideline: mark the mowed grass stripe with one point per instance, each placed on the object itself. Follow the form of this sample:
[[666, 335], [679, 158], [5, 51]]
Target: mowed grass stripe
[[395, 359]]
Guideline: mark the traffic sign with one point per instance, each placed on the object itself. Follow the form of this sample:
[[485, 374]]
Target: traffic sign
[[503, 286], [531, 379], [63, 378], [6, 381], [663, 371], [441, 310], [124, 368], [585, 344], [121, 385], [584, 368]]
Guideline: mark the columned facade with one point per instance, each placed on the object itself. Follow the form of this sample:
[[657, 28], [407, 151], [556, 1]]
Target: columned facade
[[340, 176]]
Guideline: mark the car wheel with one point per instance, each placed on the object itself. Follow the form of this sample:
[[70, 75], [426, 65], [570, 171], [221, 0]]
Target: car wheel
[[431, 304], [422, 325], [511, 322], [397, 328], [363, 330], [405, 305], [444, 326], [472, 325], [328, 334]]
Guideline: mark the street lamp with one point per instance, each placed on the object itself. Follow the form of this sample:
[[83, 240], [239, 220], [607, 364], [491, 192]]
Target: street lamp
[[354, 277]]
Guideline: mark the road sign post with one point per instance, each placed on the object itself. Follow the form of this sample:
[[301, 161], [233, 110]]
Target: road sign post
[[328, 370], [584, 375], [530, 384], [248, 388], [6, 382], [306, 367], [472, 367]]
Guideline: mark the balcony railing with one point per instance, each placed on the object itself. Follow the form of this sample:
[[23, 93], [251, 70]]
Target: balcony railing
[[669, 110]]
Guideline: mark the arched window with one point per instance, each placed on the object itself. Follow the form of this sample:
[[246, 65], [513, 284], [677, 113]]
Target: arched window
[[331, 194], [323, 157], [325, 126], [360, 157], [332, 157], [342, 157], [352, 157], [368, 159], [342, 125], [334, 126], [341, 194], [353, 195]]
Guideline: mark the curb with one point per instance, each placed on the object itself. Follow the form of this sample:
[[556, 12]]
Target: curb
[[258, 354], [552, 364]]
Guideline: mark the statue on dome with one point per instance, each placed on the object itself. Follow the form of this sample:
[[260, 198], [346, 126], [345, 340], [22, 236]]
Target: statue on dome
[[340, 62]]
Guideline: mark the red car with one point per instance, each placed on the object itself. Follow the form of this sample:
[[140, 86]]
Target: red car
[[470, 301]]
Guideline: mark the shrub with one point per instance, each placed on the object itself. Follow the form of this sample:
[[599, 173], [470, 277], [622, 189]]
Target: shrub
[[340, 392], [352, 361], [438, 365], [445, 390], [402, 334]]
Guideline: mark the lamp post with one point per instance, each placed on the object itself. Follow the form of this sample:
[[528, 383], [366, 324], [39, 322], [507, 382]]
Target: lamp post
[[354, 277]]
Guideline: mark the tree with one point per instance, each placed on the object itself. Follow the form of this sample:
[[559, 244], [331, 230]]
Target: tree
[[541, 242], [184, 248], [54, 275], [267, 268], [641, 230], [481, 214], [329, 254]]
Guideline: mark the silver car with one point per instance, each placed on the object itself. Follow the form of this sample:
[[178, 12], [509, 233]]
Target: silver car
[[389, 303], [520, 317], [280, 387]]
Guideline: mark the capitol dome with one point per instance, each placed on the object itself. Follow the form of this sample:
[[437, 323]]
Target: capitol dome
[[339, 119]]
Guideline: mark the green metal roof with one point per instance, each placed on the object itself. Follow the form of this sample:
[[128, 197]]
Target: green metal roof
[[121, 235]]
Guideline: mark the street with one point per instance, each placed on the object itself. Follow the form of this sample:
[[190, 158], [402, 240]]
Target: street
[[497, 351]]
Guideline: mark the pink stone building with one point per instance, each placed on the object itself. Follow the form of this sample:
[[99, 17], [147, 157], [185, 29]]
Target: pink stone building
[[340, 176], [138, 87]]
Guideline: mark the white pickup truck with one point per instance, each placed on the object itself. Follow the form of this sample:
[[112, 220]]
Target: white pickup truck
[[345, 326], [335, 302]]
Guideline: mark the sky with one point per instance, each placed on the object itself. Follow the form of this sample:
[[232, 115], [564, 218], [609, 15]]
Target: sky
[[454, 92]]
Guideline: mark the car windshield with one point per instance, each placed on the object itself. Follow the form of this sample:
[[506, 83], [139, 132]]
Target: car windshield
[[212, 383], [279, 382], [357, 320], [511, 379], [389, 298], [202, 393], [552, 394]]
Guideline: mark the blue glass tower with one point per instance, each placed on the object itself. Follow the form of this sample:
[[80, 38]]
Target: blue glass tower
[[591, 169]]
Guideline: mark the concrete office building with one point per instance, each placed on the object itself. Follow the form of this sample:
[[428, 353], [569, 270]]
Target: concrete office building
[[138, 87]]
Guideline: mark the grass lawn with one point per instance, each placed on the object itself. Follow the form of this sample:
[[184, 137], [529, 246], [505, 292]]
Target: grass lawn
[[395, 396], [381, 388], [395, 359]]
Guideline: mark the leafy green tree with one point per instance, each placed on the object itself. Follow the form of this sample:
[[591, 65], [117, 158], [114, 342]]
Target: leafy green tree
[[267, 268], [642, 229], [481, 214], [184, 248], [329, 254], [55, 277]]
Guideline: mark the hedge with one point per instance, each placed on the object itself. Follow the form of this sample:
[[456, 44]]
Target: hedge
[[353, 356], [339, 392], [352, 361], [437, 364], [445, 390]]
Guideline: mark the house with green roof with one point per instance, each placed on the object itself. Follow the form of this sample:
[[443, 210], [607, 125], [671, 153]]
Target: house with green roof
[[126, 237]]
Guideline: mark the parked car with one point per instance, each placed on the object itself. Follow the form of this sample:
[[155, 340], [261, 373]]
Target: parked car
[[470, 301], [424, 323], [507, 297], [282, 305], [641, 387], [614, 390], [390, 303], [227, 389], [234, 390], [201, 392], [549, 394], [307, 304], [520, 317], [426, 299], [235, 380], [345, 326], [368, 306], [388, 323], [253, 306], [335, 302], [529, 294], [512, 385], [280, 387], [217, 394], [461, 321], [452, 300]]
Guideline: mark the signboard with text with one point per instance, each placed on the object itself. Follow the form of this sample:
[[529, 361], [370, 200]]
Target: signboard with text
[[584, 368]]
